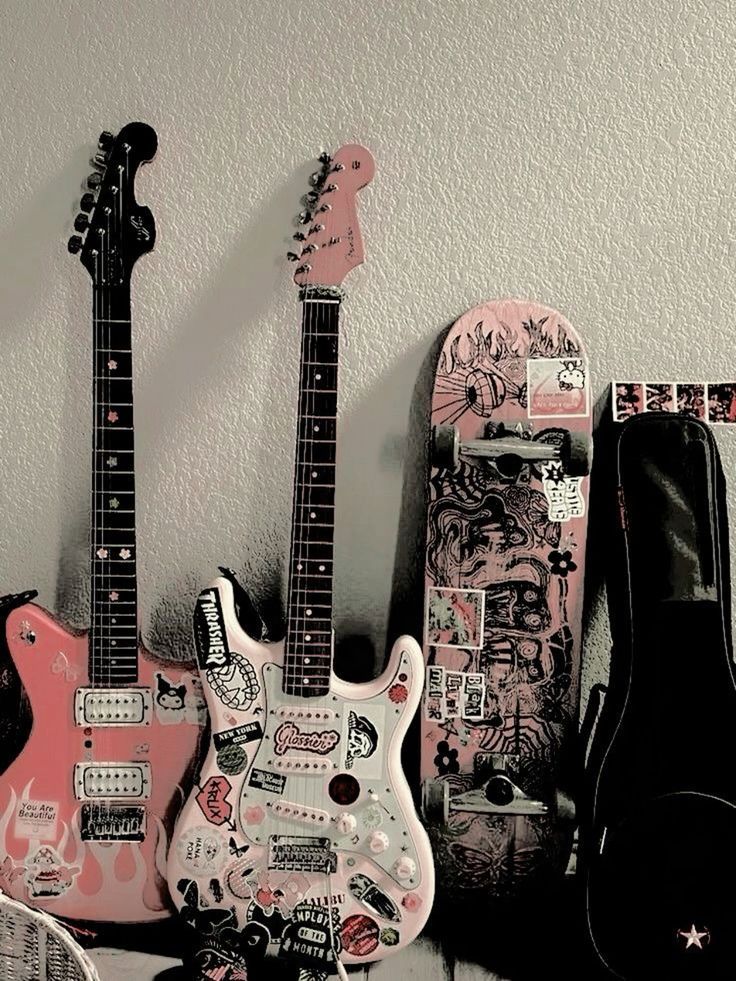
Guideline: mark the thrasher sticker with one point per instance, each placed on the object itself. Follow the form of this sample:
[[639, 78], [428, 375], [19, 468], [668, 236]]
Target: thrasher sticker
[[564, 496], [454, 617], [454, 695], [274, 783], [209, 631], [36, 819], [556, 387]]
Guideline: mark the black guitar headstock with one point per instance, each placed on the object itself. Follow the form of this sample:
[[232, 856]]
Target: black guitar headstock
[[114, 229]]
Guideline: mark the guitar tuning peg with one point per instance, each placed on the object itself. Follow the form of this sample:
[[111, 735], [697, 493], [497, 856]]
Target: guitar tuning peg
[[316, 178], [299, 236], [93, 181], [105, 141], [325, 158], [292, 256], [310, 248], [311, 197], [81, 223], [304, 217], [99, 160], [75, 243], [88, 202]]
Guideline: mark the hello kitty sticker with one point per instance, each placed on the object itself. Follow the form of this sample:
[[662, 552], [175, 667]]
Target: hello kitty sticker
[[557, 387]]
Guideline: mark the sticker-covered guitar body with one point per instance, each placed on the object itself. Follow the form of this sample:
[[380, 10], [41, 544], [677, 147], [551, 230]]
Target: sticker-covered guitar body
[[301, 812], [506, 536], [301, 840], [87, 809]]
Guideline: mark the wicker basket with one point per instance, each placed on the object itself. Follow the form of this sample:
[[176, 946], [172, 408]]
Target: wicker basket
[[34, 947]]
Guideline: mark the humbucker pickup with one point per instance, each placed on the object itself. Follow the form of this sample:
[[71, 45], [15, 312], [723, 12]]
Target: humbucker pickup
[[106, 822], [113, 706], [117, 781]]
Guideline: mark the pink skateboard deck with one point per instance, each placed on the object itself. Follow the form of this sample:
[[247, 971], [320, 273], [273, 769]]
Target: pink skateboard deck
[[511, 451]]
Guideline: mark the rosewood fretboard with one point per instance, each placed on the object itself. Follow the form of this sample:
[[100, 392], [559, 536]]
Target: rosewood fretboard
[[308, 654], [113, 658]]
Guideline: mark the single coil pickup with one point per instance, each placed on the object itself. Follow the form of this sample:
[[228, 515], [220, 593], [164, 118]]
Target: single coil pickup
[[113, 706], [313, 715], [298, 812], [116, 781], [302, 764]]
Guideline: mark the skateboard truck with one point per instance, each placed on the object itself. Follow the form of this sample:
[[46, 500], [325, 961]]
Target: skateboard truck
[[499, 794], [510, 452]]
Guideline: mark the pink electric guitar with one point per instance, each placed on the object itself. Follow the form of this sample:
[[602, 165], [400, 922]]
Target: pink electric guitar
[[301, 840], [87, 809]]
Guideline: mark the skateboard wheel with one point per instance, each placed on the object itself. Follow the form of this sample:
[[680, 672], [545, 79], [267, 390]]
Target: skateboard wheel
[[436, 801], [446, 447], [500, 790], [577, 454], [509, 464]]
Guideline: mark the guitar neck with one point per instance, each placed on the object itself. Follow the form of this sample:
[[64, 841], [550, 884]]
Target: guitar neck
[[114, 628], [308, 651]]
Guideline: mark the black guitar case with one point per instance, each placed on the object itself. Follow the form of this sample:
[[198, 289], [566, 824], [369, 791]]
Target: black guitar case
[[659, 822]]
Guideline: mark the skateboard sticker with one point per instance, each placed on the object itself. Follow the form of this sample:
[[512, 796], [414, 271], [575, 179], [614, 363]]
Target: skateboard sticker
[[455, 618], [628, 399], [454, 694], [564, 495], [722, 402], [556, 387], [360, 741]]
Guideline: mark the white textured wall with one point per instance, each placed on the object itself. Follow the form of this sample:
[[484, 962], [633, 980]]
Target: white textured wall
[[581, 154]]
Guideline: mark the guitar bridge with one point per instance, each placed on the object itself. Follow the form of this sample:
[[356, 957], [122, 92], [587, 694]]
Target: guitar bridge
[[105, 822]]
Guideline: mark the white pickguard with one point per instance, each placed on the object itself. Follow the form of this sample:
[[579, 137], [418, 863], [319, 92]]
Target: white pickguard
[[262, 849]]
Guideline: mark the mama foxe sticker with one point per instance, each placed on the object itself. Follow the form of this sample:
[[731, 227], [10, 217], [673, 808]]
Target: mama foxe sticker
[[557, 387], [360, 738], [564, 497], [36, 819], [455, 617], [201, 851]]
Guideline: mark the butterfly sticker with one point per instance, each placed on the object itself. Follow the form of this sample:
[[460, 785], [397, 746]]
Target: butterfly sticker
[[237, 851]]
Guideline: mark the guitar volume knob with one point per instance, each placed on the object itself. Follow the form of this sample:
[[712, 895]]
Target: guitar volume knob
[[378, 842], [346, 823], [405, 868]]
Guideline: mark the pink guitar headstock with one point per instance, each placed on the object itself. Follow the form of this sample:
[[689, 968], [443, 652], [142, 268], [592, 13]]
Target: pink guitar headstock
[[331, 244]]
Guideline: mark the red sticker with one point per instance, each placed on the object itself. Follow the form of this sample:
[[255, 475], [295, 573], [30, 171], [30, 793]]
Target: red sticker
[[359, 935], [398, 693]]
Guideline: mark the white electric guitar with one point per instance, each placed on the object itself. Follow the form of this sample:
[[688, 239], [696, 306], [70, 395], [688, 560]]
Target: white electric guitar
[[301, 840]]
